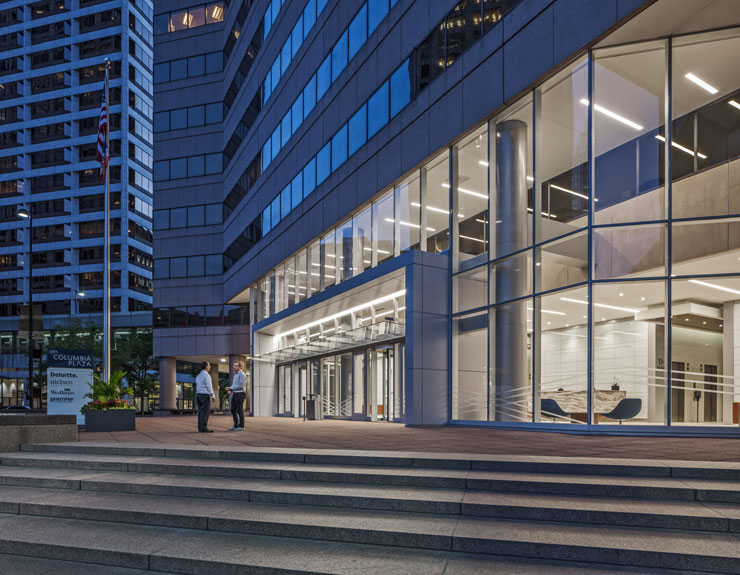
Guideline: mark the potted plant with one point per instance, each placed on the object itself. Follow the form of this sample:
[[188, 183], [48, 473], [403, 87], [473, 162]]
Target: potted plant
[[107, 410]]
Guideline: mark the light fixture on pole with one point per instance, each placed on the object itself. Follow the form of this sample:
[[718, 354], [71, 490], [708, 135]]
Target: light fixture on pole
[[103, 156], [27, 214]]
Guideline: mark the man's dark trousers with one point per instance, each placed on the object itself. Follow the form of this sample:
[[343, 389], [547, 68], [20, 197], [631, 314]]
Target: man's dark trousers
[[237, 407], [204, 410]]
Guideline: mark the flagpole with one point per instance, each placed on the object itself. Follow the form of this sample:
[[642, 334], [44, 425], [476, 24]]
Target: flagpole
[[106, 235]]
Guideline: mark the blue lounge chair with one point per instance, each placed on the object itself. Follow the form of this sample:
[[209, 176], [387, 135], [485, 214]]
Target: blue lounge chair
[[627, 408]]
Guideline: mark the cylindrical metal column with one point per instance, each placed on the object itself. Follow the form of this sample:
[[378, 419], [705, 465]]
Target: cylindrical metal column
[[510, 377], [167, 383]]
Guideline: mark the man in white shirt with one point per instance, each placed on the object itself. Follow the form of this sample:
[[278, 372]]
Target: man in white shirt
[[204, 396], [238, 393]]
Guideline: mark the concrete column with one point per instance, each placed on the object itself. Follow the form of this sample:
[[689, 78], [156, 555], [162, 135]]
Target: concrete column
[[511, 378], [214, 383], [167, 383]]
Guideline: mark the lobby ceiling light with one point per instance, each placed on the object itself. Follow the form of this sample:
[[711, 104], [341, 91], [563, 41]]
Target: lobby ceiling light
[[409, 224], [567, 191], [701, 83], [483, 163], [602, 305], [715, 286], [473, 239], [682, 148], [435, 209], [553, 216], [469, 192], [734, 104], [613, 115], [346, 312]]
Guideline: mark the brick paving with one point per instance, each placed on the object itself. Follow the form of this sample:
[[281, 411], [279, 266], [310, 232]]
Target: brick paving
[[356, 435]]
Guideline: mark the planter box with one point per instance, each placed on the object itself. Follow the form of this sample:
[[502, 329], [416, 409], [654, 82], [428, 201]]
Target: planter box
[[110, 420]]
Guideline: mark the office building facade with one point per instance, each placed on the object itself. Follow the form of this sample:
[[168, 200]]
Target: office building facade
[[496, 213], [52, 70]]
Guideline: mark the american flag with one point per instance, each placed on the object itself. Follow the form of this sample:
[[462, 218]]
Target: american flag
[[103, 155]]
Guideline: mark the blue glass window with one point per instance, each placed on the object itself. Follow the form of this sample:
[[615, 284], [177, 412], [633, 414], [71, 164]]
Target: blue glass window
[[275, 209], [309, 177], [285, 57], [178, 168], [214, 113], [296, 37], [196, 116], [377, 10], [178, 267], [266, 154], [275, 73], [400, 89], [296, 187], [378, 110], [266, 221], [214, 214], [178, 69], [161, 121], [297, 112], [309, 96], [162, 171], [196, 166], [309, 17], [323, 78], [179, 119], [358, 31], [320, 5], [214, 163], [276, 142], [268, 20], [161, 219], [266, 88], [214, 62], [178, 217], [162, 72], [214, 265], [323, 164], [195, 266], [393, 3], [339, 56], [357, 130], [196, 215], [339, 148], [161, 269], [285, 129], [285, 199], [196, 66]]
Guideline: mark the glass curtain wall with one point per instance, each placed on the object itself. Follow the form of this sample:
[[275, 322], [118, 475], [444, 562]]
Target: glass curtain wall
[[615, 306]]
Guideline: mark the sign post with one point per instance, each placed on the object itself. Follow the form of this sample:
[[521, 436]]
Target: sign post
[[68, 377]]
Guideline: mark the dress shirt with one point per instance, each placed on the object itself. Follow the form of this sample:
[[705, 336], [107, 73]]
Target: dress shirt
[[239, 382], [203, 383]]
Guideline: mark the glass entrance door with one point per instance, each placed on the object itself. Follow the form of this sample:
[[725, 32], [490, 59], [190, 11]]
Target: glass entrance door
[[384, 383]]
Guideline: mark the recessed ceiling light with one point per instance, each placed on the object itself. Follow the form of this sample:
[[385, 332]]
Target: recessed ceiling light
[[682, 148], [701, 83], [734, 104], [621, 294], [715, 286]]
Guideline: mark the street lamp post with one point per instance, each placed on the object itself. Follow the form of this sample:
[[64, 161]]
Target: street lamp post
[[28, 214]]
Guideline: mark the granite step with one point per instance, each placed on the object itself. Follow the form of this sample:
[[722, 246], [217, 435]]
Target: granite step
[[199, 512], [198, 551], [549, 483], [508, 463]]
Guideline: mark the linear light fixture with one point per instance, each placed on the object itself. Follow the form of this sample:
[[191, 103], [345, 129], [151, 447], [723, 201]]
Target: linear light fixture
[[384, 252], [734, 104], [682, 148], [567, 191], [483, 163], [435, 209], [543, 213], [409, 224], [715, 286], [346, 312], [613, 115], [473, 239], [602, 305], [469, 192], [701, 83]]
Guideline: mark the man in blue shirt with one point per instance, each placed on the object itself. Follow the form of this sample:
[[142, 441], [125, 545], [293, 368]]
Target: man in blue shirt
[[238, 393], [204, 397]]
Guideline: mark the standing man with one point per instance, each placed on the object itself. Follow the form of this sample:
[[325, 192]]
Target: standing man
[[238, 394], [204, 397]]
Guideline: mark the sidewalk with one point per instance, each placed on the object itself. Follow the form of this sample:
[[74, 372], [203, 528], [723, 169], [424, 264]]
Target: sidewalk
[[356, 435]]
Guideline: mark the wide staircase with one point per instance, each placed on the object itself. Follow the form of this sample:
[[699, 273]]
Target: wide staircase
[[122, 509]]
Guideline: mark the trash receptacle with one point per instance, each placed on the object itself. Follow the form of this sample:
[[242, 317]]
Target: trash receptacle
[[313, 407]]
